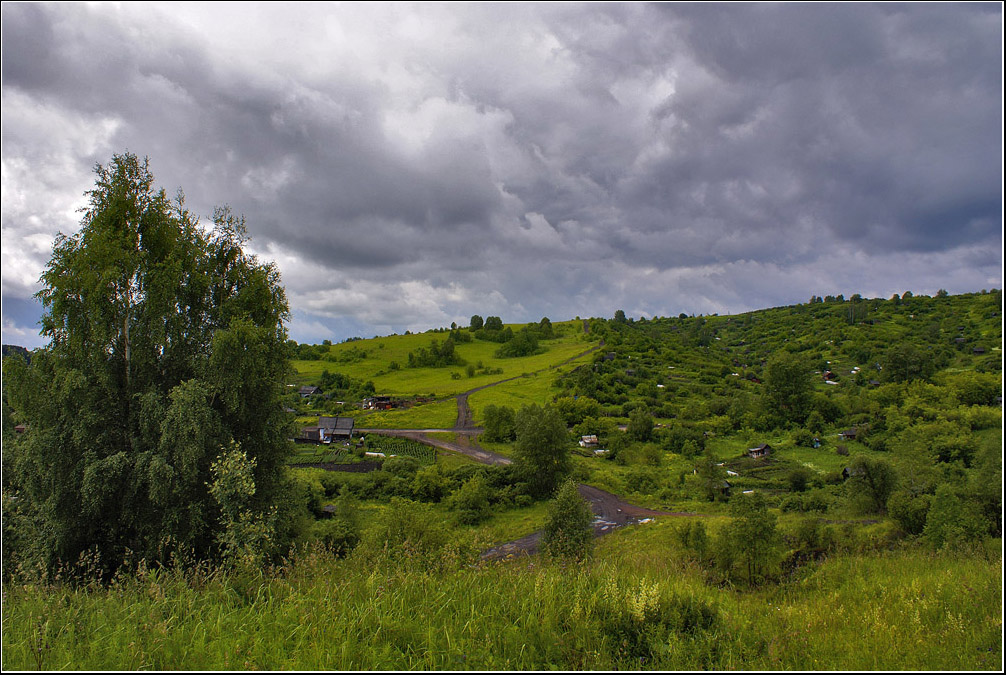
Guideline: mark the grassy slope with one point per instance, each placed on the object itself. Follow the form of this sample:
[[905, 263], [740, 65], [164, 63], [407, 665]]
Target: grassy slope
[[381, 352], [895, 610], [889, 611]]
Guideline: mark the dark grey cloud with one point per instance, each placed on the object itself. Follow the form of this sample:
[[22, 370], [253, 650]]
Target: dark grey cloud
[[410, 165]]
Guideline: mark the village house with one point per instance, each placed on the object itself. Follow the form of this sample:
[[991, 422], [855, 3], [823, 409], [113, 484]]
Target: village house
[[762, 450], [338, 428], [309, 390], [314, 435], [588, 441]]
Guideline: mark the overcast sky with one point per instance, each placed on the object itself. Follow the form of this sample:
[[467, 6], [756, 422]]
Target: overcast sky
[[407, 166]]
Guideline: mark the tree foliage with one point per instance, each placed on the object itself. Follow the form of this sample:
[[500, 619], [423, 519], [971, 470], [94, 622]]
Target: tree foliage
[[640, 425], [499, 423], [568, 532], [874, 481], [788, 386], [523, 343], [712, 477], [167, 345], [751, 538], [905, 362], [438, 355], [541, 453], [952, 520]]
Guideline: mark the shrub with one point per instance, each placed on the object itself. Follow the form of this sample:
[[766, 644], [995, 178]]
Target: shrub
[[909, 510], [647, 454], [568, 532], [639, 620], [798, 479], [429, 484], [341, 533], [403, 467], [523, 343], [952, 521], [471, 501], [693, 539], [803, 438], [407, 532], [641, 480]]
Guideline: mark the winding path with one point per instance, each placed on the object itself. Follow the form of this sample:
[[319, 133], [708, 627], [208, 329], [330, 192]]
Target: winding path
[[610, 511]]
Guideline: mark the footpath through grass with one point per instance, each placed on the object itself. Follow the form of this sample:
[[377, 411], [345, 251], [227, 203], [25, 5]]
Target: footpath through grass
[[372, 360]]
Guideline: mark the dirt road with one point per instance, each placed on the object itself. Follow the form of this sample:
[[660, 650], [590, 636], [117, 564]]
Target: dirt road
[[465, 420], [610, 511], [465, 443]]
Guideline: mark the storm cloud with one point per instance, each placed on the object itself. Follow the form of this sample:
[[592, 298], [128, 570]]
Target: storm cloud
[[407, 166]]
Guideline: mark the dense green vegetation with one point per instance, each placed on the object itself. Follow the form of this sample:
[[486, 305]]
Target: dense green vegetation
[[166, 357], [834, 470], [640, 604]]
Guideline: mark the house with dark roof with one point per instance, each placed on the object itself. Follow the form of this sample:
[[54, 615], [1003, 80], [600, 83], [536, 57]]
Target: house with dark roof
[[309, 390], [849, 434], [762, 450], [338, 428]]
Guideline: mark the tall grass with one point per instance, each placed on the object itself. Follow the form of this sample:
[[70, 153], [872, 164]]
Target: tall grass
[[636, 605]]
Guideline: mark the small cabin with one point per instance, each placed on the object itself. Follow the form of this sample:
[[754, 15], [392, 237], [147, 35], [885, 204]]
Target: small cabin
[[849, 434], [314, 435], [589, 441], [762, 450]]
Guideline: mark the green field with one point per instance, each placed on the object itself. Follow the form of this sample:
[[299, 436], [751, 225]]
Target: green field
[[381, 352], [436, 415]]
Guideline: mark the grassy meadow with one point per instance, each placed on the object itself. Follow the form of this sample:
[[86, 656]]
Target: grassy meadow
[[851, 583], [891, 610], [371, 360]]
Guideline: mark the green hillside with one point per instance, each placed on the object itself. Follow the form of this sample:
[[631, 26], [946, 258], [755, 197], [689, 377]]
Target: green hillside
[[868, 537], [372, 360]]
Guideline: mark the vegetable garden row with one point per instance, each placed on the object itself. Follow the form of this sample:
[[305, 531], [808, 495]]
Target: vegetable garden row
[[401, 447]]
